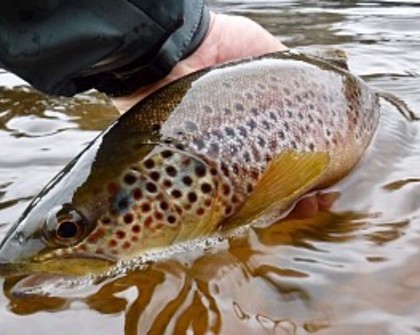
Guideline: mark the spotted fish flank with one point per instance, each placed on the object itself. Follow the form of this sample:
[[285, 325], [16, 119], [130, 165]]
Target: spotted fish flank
[[220, 148]]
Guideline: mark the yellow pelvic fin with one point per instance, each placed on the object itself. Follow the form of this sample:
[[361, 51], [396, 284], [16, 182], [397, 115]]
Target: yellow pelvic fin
[[288, 176]]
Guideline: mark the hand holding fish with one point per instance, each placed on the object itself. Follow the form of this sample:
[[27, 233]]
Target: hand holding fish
[[228, 38]]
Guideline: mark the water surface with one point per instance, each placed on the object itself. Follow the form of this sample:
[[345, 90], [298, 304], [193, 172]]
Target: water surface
[[355, 269]]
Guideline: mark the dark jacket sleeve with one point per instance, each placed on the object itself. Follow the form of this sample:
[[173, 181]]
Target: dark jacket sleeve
[[63, 47]]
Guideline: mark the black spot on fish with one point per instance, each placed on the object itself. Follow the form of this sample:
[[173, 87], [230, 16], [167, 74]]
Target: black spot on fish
[[249, 96], [261, 86], [130, 179], [191, 126], [235, 168], [207, 109], [166, 153], [224, 169], [199, 143], [176, 194], [227, 111], [311, 146], [217, 133], [151, 187], [179, 146], [265, 124], [149, 164], [300, 115], [200, 170], [261, 142], [247, 156], [187, 180], [254, 111], [171, 171], [155, 175], [273, 116], [227, 85], [251, 124], [281, 135], [192, 197], [163, 205], [123, 203], [171, 219], [214, 149], [239, 107], [233, 149], [206, 188], [230, 132], [242, 131], [155, 127], [286, 126], [293, 144], [286, 91], [128, 218]]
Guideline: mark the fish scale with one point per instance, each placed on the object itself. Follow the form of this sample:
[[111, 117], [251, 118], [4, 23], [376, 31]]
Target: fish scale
[[226, 146]]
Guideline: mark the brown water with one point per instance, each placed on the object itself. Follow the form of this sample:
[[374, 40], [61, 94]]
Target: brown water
[[353, 270]]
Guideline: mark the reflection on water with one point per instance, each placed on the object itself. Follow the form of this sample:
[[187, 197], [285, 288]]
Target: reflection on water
[[355, 269]]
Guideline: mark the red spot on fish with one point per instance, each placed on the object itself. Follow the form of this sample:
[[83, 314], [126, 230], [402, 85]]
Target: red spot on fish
[[178, 209], [207, 203], [126, 245], [228, 210], [136, 229], [148, 222], [100, 251], [82, 247], [235, 200], [200, 211], [167, 183], [106, 220], [137, 194], [159, 226], [96, 236], [226, 189], [145, 207], [134, 239], [112, 243], [120, 234], [158, 216], [112, 188]]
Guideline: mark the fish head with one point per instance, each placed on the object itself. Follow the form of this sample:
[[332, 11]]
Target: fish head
[[94, 214], [55, 222]]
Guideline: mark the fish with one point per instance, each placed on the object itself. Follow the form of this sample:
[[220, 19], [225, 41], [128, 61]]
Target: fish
[[232, 145]]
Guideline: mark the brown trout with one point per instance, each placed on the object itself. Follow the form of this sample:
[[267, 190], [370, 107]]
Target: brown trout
[[223, 147]]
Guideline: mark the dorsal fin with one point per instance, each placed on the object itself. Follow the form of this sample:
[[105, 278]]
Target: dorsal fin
[[332, 55]]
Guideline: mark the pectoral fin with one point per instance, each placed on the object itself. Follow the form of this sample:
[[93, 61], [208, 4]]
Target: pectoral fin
[[288, 176]]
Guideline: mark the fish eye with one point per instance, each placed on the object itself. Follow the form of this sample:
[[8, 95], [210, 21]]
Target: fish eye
[[64, 226]]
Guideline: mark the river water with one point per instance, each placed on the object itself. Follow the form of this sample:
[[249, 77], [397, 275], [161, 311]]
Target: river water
[[355, 269]]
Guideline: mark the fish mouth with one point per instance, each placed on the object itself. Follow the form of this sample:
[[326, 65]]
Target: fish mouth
[[74, 265]]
